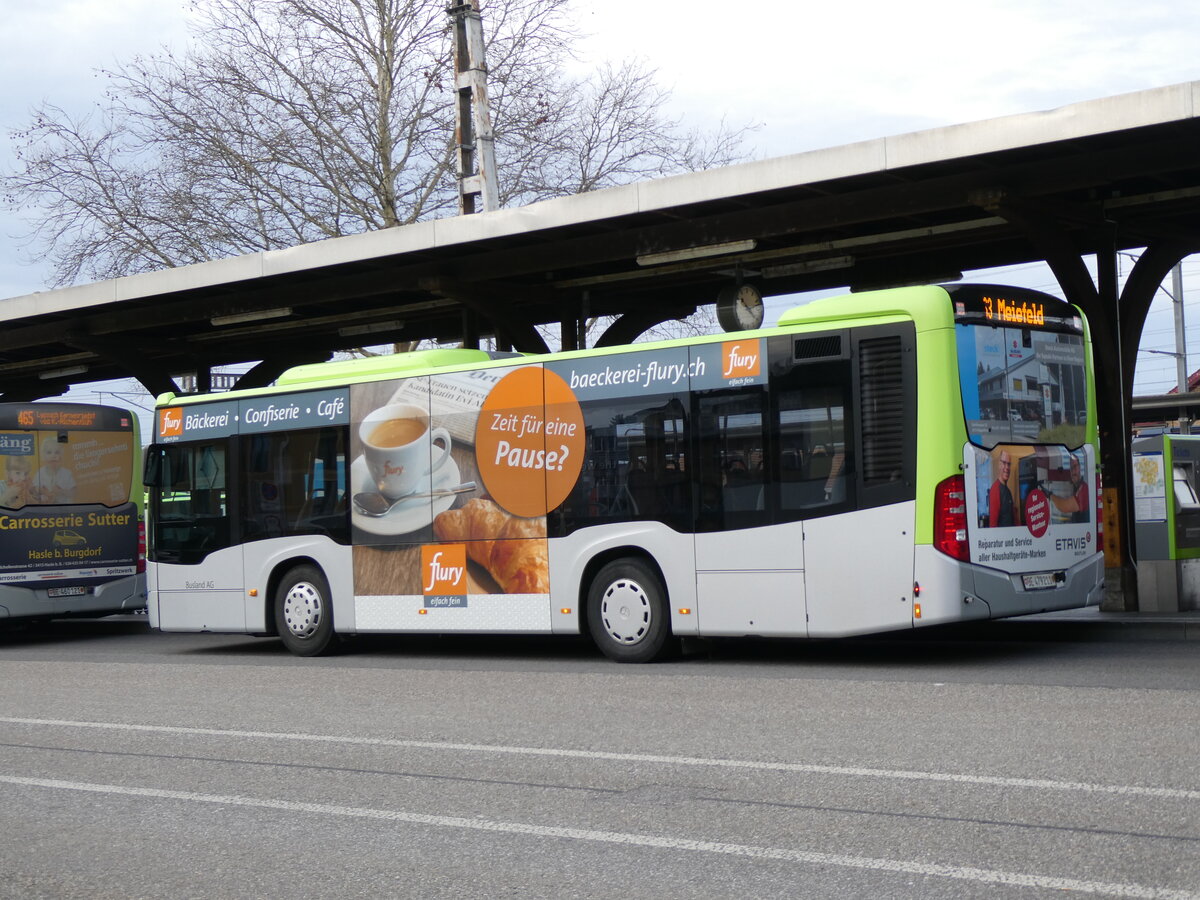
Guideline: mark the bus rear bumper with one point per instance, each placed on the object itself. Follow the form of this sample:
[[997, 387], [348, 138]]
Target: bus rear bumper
[[953, 591], [125, 594]]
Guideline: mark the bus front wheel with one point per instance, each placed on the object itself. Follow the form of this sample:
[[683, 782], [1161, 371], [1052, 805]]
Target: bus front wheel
[[627, 611], [304, 612]]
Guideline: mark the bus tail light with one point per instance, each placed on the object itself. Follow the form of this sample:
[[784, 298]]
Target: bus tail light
[[141, 561], [1099, 510], [950, 518]]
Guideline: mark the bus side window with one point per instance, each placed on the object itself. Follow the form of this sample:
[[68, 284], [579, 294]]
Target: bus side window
[[814, 458], [731, 475], [636, 466], [294, 482]]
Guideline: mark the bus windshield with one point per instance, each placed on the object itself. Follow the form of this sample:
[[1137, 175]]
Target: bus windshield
[[1022, 385]]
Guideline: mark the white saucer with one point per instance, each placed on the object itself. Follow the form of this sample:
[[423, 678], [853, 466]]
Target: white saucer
[[407, 515]]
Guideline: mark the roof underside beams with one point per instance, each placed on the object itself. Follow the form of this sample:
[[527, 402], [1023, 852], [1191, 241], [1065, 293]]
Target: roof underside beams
[[920, 224]]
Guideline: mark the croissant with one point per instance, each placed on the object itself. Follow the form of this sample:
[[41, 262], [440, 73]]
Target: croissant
[[501, 544]]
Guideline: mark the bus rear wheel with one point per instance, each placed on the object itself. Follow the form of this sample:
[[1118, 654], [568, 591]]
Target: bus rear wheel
[[627, 611], [304, 612]]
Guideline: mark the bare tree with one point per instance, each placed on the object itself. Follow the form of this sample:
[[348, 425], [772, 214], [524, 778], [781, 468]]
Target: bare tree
[[289, 121], [612, 130]]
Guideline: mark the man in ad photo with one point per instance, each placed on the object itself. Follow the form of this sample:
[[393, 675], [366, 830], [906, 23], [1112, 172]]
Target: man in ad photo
[[1000, 499]]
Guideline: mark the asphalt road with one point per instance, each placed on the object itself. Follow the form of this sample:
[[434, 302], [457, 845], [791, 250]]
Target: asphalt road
[[950, 764]]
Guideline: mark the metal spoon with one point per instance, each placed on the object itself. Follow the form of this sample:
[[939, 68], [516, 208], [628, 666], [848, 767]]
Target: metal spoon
[[374, 504]]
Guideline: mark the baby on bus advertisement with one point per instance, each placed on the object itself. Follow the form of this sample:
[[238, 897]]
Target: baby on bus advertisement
[[459, 471], [17, 454], [1030, 508]]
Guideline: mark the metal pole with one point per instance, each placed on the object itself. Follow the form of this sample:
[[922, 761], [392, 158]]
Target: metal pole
[[1181, 367], [476, 141]]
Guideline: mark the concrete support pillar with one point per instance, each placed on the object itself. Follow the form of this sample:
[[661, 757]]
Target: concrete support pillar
[[1114, 396]]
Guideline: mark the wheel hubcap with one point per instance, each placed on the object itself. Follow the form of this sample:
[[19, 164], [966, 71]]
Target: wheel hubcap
[[302, 610], [625, 611]]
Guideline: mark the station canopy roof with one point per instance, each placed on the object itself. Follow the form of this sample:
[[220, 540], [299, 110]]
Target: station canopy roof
[[911, 208]]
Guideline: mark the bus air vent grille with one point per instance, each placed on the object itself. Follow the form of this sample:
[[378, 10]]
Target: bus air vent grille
[[824, 347], [883, 415]]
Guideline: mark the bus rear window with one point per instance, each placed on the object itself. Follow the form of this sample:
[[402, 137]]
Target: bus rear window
[[1022, 385]]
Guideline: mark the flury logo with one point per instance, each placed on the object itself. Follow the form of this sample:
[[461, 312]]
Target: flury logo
[[444, 570], [740, 359], [170, 422]]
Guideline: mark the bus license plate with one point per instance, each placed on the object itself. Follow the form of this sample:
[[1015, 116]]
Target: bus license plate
[[66, 592], [1038, 581]]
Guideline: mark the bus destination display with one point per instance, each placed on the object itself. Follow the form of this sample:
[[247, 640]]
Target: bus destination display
[[987, 305], [1014, 312], [64, 416]]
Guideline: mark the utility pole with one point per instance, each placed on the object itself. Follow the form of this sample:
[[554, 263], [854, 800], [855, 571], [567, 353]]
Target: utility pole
[[1181, 370], [473, 129]]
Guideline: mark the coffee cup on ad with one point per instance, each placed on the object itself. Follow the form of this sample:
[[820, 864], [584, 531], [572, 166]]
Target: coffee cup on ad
[[398, 446]]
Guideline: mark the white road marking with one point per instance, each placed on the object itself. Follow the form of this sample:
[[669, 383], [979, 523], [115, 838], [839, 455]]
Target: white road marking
[[564, 753], [961, 873]]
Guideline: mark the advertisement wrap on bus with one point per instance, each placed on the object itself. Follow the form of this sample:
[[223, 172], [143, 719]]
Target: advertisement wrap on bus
[[521, 433]]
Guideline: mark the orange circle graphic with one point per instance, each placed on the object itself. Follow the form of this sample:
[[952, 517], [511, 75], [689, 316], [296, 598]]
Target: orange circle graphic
[[529, 441]]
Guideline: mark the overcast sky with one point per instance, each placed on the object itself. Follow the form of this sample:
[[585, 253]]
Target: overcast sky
[[811, 74]]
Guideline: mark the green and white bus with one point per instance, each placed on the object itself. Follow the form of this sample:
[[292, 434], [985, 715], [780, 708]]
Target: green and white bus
[[875, 462], [72, 538]]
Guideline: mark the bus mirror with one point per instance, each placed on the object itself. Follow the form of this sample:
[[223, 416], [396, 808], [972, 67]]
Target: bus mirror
[[152, 466]]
